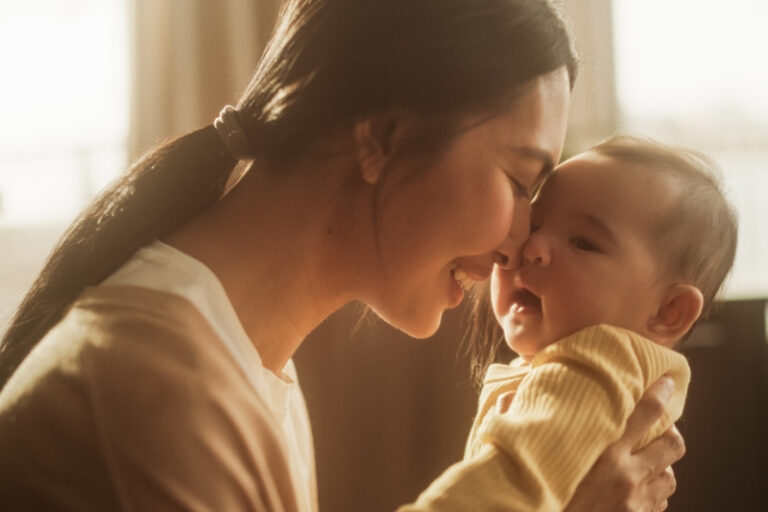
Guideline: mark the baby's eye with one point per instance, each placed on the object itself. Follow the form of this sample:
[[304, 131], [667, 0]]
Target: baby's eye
[[583, 244]]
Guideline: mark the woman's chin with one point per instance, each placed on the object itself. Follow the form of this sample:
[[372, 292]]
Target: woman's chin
[[414, 325], [423, 330]]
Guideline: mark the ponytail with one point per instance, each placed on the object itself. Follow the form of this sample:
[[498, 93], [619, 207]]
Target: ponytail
[[170, 184]]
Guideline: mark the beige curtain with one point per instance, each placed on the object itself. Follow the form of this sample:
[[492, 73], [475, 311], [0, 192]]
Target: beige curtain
[[190, 58], [594, 107]]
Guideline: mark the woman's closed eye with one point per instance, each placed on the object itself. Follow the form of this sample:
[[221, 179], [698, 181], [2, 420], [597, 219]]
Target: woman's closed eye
[[583, 244], [519, 188]]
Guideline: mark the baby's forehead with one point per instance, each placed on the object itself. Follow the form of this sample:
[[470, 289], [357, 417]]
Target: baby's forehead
[[629, 196], [593, 175], [634, 202]]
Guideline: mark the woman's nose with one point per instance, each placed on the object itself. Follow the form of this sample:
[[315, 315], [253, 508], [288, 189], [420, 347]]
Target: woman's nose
[[507, 255], [536, 250]]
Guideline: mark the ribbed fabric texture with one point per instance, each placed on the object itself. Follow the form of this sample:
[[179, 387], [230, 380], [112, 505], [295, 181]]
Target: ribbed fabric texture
[[572, 402]]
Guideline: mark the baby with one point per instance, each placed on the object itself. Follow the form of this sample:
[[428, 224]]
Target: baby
[[630, 242]]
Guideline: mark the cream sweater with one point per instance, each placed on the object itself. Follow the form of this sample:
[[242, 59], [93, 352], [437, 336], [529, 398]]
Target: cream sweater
[[569, 405], [132, 403]]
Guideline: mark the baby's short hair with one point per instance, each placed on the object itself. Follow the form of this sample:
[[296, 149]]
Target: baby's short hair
[[697, 233]]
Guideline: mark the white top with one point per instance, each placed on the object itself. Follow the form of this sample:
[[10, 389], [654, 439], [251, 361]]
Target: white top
[[163, 268]]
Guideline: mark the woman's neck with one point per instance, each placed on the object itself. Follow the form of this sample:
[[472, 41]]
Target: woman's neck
[[287, 250]]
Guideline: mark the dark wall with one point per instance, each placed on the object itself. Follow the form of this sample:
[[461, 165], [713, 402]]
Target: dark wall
[[389, 413], [725, 423]]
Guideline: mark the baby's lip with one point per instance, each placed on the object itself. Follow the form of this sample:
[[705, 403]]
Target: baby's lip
[[524, 301]]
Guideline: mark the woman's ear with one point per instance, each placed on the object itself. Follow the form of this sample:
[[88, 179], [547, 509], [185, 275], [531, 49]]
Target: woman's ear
[[680, 307], [375, 143]]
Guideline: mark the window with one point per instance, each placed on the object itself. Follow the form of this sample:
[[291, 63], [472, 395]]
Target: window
[[692, 73], [64, 111]]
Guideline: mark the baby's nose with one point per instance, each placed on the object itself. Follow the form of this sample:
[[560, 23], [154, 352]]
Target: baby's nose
[[536, 251]]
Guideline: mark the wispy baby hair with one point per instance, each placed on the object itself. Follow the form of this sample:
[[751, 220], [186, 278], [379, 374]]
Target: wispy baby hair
[[696, 232]]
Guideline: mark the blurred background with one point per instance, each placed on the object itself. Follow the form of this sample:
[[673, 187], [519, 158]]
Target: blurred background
[[88, 85]]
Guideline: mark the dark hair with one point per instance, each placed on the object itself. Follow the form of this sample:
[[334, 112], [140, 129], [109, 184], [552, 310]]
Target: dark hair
[[329, 63], [695, 233]]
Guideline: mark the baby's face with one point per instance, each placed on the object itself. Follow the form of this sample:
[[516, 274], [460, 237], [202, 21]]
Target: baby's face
[[588, 259]]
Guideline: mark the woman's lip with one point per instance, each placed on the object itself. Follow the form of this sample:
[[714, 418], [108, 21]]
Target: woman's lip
[[467, 278], [457, 292], [477, 269], [478, 275]]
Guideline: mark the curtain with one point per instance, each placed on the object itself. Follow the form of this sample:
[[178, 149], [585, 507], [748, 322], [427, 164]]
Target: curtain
[[594, 107], [189, 59]]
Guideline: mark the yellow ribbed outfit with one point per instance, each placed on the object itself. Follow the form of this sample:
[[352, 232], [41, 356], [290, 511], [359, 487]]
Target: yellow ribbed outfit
[[570, 403]]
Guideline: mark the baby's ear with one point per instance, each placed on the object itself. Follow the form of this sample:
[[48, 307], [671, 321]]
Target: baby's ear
[[680, 308], [376, 138]]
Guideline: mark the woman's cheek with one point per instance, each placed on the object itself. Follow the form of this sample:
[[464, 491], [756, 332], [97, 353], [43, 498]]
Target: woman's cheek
[[500, 216], [520, 225], [507, 226]]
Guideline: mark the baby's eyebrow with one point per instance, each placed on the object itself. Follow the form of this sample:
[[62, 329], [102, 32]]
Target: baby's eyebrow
[[601, 226]]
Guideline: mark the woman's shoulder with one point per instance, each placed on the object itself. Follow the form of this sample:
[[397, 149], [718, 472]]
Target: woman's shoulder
[[145, 346], [130, 345], [158, 394], [105, 306], [126, 322]]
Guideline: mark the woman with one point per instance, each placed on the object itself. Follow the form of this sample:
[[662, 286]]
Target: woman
[[394, 147]]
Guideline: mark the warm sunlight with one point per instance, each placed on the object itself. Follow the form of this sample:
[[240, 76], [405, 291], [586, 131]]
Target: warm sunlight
[[692, 72], [64, 105], [687, 57]]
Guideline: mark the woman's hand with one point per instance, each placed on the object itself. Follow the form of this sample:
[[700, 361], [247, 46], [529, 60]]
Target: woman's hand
[[639, 482]]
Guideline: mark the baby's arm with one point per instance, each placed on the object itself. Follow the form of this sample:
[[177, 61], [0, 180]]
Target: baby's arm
[[573, 404]]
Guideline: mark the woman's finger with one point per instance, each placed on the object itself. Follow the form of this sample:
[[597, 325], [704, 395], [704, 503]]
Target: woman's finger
[[649, 409], [661, 487], [662, 452]]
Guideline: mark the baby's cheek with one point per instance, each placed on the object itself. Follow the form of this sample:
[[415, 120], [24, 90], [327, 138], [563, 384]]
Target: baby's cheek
[[583, 310], [502, 285]]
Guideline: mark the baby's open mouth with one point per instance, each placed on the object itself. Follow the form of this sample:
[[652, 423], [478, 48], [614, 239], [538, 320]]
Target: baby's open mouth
[[523, 301]]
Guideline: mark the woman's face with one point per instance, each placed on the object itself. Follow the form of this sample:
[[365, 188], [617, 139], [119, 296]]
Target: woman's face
[[440, 226]]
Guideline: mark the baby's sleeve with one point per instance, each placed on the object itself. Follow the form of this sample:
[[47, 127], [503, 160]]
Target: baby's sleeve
[[573, 404]]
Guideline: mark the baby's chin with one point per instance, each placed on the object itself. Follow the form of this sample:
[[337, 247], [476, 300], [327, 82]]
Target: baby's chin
[[526, 346]]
